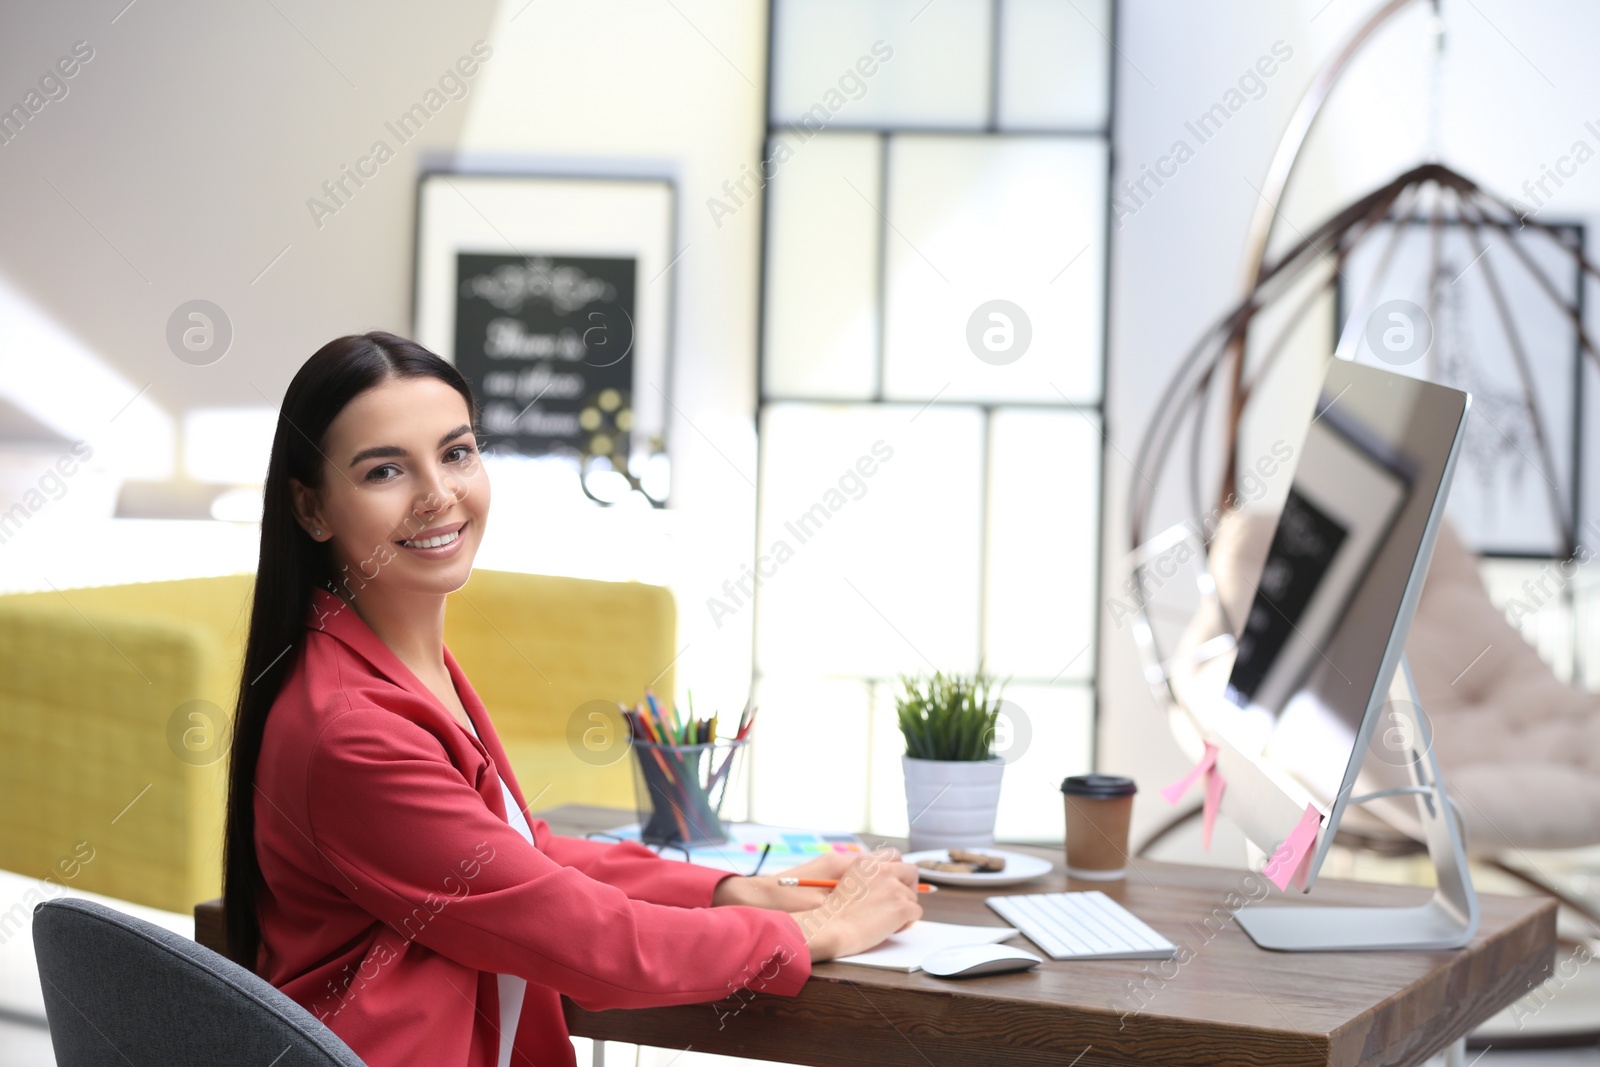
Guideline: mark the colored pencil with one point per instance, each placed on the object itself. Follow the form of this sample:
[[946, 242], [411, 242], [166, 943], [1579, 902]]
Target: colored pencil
[[669, 732], [749, 723], [829, 883], [650, 730]]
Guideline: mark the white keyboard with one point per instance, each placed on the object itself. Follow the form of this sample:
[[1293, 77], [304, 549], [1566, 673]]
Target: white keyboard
[[1086, 925]]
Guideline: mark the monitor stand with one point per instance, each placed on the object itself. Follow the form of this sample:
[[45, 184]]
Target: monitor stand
[[1447, 921]]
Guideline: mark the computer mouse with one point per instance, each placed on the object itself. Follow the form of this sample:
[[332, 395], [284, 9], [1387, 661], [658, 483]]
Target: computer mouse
[[966, 961]]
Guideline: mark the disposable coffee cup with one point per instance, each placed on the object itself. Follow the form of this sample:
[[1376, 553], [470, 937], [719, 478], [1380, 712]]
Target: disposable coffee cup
[[1099, 807]]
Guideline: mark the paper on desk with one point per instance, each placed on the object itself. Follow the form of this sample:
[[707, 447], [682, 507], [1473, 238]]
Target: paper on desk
[[906, 950], [790, 847]]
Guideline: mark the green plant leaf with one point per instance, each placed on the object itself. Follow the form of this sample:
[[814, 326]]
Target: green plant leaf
[[948, 717]]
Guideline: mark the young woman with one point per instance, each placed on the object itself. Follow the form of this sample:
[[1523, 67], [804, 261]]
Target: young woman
[[380, 865]]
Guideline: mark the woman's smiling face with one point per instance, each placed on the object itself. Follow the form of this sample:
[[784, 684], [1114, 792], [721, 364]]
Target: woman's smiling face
[[401, 471]]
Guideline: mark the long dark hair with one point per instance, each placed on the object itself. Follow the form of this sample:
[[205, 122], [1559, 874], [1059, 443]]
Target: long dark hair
[[291, 566]]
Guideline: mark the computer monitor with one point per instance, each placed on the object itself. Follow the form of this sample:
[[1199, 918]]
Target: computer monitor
[[1320, 648]]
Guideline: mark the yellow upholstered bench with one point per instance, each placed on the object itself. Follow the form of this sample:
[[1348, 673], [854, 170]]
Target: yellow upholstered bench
[[102, 789]]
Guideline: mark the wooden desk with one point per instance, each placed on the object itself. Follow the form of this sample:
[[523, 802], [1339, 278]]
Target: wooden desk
[[1229, 1004]]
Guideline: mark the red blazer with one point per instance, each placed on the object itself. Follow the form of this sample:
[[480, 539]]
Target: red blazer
[[397, 891]]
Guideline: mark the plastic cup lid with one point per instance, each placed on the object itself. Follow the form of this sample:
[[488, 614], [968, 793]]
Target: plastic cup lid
[[1099, 785]]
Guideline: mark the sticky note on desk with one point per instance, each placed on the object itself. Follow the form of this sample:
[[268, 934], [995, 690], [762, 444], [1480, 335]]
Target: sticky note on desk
[[1287, 859]]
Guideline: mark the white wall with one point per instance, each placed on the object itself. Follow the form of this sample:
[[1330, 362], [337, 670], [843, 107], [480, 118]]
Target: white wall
[[1517, 87], [180, 162], [177, 166]]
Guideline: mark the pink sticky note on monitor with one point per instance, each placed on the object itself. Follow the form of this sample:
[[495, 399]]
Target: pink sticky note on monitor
[[1214, 786], [1215, 783], [1285, 862], [1299, 880], [1208, 763]]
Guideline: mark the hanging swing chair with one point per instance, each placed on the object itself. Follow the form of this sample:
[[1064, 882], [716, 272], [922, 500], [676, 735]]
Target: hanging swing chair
[[1520, 747]]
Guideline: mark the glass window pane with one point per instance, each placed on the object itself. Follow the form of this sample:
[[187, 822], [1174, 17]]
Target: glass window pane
[[881, 63], [980, 220], [808, 764], [1054, 60], [1060, 723], [1043, 531], [823, 227], [870, 521], [887, 796], [1054, 725]]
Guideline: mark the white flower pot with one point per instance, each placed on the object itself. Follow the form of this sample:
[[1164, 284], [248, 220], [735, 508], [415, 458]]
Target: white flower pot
[[951, 803]]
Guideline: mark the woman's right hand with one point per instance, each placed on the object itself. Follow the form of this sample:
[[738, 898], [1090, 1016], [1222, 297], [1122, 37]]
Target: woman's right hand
[[876, 896]]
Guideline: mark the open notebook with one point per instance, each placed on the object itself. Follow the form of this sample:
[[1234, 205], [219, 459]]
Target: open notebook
[[906, 950]]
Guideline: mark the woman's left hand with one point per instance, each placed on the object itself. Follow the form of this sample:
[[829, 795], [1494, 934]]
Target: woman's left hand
[[763, 891]]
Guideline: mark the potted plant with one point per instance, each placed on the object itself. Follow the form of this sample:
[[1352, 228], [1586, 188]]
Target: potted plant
[[952, 774]]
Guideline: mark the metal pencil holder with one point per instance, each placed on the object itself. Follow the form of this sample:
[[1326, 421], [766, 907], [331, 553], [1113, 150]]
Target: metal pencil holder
[[679, 789]]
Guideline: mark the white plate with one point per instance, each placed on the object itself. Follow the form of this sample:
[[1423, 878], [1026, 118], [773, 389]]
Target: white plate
[[1020, 867]]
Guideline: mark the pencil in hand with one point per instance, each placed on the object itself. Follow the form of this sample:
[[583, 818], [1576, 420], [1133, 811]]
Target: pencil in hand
[[829, 883]]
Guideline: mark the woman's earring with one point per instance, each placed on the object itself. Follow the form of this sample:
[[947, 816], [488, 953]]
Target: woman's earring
[[317, 532]]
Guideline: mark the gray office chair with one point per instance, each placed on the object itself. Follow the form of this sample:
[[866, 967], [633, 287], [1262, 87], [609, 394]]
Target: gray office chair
[[121, 991]]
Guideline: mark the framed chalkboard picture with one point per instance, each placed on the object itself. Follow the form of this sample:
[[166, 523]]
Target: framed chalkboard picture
[[552, 296]]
